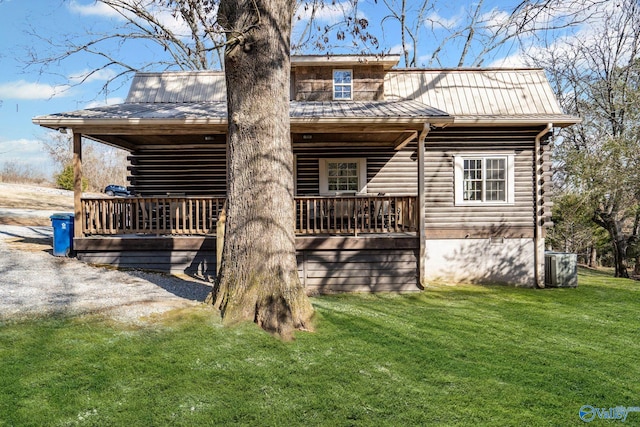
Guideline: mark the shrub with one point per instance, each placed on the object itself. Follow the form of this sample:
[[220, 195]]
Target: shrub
[[64, 179]]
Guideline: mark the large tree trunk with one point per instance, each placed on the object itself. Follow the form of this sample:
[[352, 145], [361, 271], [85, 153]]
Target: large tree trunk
[[258, 279], [608, 221], [593, 257], [620, 258], [619, 245]]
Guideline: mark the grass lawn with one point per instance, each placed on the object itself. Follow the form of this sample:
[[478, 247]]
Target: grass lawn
[[464, 355]]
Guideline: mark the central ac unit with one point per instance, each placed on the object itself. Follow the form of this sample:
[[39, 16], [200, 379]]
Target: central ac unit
[[560, 270]]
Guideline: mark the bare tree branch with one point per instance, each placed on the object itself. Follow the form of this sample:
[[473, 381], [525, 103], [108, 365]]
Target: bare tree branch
[[190, 41]]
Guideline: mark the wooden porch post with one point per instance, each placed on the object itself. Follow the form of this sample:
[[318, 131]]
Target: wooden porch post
[[421, 206], [220, 230], [77, 184]]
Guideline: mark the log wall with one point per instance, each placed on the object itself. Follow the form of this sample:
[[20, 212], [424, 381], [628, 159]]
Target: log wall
[[175, 170], [446, 220], [388, 171]]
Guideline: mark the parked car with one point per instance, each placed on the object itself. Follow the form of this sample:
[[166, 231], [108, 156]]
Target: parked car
[[116, 190]]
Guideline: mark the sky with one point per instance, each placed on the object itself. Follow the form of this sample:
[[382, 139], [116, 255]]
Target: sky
[[27, 91]]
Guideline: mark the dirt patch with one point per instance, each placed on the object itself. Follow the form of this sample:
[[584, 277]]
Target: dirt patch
[[22, 196], [9, 219], [29, 205], [40, 244]]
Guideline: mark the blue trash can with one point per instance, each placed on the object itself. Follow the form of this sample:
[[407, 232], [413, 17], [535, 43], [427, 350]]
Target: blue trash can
[[62, 233]]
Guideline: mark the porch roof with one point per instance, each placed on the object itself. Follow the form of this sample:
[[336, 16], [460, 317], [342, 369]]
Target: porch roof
[[403, 114]]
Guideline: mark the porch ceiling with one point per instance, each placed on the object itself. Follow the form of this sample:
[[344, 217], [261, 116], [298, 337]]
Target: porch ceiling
[[299, 139]]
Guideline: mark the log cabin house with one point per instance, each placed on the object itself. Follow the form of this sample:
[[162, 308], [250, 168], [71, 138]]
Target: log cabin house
[[403, 176]]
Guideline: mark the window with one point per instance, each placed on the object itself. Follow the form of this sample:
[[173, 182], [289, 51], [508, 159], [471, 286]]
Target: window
[[486, 179], [340, 176], [342, 84]]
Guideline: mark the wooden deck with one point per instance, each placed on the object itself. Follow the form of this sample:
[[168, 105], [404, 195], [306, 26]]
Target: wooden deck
[[180, 216], [343, 244], [366, 263]]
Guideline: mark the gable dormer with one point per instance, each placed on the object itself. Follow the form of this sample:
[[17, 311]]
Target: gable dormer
[[339, 77]]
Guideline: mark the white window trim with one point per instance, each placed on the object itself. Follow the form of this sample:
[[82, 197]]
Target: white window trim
[[459, 178], [333, 87], [362, 175]]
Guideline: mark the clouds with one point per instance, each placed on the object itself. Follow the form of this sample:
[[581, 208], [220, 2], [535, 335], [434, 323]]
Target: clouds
[[93, 9], [24, 151], [27, 153], [19, 148], [437, 21], [325, 12], [120, 9], [25, 90], [88, 76], [108, 101], [22, 89], [599, 29]]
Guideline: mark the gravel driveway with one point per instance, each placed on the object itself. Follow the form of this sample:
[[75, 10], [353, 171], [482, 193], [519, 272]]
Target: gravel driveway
[[33, 282]]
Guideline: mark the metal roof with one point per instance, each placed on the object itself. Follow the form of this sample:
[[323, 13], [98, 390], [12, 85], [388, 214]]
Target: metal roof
[[371, 109], [461, 96], [476, 95], [217, 111], [178, 87]]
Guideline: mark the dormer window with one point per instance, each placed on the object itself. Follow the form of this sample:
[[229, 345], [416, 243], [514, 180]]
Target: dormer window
[[342, 84]]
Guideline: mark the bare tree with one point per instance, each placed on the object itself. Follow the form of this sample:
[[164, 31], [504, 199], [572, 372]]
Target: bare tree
[[478, 32], [183, 33], [102, 165], [258, 279], [598, 78], [411, 17]]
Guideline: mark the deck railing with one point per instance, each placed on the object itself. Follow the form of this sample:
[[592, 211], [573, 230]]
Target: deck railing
[[150, 215], [198, 215], [356, 214]]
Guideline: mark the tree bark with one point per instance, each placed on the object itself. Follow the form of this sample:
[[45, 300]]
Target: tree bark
[[619, 244], [619, 256], [258, 279], [593, 257]]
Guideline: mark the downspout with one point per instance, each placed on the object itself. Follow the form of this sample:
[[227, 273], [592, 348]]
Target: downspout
[[538, 253], [422, 237]]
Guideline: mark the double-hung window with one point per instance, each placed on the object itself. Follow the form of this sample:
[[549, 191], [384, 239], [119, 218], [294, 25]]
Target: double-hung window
[[484, 179], [343, 176], [342, 84]]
